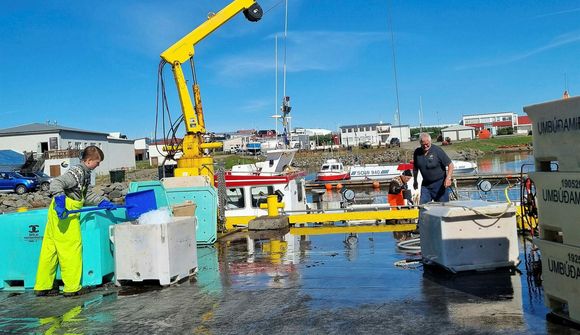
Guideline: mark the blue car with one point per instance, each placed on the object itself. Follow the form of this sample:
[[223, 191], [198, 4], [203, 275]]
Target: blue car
[[13, 181]]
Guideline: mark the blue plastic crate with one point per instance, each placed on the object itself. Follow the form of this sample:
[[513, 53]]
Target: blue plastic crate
[[156, 186], [205, 198], [21, 240]]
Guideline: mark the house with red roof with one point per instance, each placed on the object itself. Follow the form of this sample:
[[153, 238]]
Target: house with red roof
[[494, 122]]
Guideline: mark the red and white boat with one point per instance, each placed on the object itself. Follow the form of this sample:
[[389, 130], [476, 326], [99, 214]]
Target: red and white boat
[[332, 170], [248, 185]]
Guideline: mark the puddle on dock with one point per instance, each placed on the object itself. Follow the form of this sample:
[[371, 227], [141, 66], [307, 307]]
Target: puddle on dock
[[300, 284]]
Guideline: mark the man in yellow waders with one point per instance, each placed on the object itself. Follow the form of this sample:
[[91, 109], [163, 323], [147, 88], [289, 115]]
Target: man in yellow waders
[[62, 242]]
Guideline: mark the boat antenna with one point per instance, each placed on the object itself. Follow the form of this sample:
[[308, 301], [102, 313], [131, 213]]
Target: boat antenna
[[390, 22]]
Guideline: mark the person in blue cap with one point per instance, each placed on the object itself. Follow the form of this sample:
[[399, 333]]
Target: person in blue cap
[[62, 242]]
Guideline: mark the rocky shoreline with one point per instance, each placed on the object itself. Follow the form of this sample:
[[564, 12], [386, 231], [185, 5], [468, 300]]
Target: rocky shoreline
[[376, 156]]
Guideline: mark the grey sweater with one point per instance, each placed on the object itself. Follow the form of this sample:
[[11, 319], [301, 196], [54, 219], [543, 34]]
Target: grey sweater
[[75, 184]]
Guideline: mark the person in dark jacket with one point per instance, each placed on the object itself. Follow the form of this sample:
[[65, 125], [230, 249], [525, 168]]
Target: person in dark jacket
[[436, 169], [397, 188]]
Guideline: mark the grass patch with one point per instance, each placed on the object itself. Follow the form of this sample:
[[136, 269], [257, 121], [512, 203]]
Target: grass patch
[[494, 143], [141, 165]]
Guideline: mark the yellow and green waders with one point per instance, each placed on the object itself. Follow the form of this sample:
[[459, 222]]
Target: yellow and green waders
[[62, 244]]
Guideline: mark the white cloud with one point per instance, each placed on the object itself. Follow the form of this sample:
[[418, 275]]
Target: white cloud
[[558, 41], [557, 13], [255, 105], [306, 51]]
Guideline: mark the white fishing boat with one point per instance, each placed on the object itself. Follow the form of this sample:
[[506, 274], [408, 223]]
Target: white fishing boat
[[464, 167], [248, 185], [386, 172]]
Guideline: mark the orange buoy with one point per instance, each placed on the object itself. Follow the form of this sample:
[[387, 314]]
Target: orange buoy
[[338, 186], [376, 184], [328, 187]]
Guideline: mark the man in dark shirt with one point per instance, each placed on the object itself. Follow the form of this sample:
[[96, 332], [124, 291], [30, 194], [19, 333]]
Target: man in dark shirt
[[436, 169]]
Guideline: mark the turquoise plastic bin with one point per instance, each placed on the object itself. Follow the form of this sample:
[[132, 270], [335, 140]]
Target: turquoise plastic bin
[[21, 240], [205, 199]]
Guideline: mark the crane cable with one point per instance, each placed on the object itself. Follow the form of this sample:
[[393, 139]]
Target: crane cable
[[169, 131]]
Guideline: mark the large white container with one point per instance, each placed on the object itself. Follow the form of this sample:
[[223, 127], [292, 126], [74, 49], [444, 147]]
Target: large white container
[[556, 126], [461, 235], [558, 199], [166, 252], [561, 278]]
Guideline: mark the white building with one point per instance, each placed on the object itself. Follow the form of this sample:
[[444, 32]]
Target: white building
[[157, 154], [142, 149], [458, 132], [55, 142], [403, 133], [236, 142], [311, 131], [375, 134], [491, 121]]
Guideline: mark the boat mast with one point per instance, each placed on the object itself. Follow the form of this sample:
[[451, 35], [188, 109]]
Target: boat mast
[[398, 113], [285, 99], [276, 116], [420, 114]]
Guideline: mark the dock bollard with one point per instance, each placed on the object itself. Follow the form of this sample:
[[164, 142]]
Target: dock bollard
[[272, 205], [272, 220]]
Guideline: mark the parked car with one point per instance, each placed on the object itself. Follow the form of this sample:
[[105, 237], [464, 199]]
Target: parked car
[[17, 183], [366, 145], [395, 142], [42, 179]]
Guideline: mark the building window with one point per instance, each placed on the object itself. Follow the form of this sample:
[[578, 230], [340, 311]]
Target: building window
[[235, 198], [349, 130], [78, 145]]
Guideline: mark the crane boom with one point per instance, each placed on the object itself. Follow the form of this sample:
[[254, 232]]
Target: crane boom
[[194, 162]]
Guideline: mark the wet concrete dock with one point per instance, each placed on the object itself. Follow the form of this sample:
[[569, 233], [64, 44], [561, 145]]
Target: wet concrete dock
[[319, 285]]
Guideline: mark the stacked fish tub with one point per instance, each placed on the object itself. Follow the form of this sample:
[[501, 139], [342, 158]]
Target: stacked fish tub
[[21, 240], [556, 131]]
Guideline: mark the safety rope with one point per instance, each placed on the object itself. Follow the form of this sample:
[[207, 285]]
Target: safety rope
[[222, 198]]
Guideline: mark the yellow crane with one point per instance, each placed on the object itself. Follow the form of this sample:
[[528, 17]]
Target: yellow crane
[[194, 161]]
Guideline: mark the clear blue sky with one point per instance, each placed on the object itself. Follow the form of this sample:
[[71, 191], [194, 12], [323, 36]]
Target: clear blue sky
[[93, 65]]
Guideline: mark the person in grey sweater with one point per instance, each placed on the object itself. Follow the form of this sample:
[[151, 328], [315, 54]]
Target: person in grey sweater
[[62, 243]]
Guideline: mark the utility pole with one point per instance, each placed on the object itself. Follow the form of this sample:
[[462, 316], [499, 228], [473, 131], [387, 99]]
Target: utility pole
[[420, 114]]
